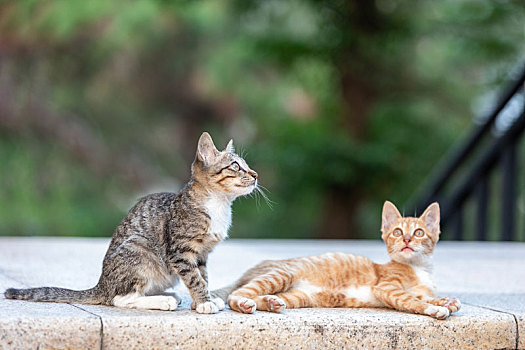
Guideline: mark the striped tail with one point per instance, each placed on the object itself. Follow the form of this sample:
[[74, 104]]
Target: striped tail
[[54, 294]]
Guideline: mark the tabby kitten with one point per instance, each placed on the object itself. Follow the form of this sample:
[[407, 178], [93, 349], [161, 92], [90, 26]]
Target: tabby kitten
[[346, 280], [164, 237]]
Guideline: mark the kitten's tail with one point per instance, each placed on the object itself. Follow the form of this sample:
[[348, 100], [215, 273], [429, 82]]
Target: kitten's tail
[[54, 294], [223, 292]]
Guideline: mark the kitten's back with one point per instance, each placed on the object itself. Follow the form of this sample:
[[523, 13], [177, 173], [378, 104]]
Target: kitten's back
[[329, 270], [149, 216]]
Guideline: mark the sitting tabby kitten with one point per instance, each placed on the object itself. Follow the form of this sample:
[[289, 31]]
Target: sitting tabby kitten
[[346, 280], [164, 237]]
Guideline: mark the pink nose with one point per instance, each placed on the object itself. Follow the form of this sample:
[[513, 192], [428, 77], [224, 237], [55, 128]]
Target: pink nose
[[407, 240], [254, 174]]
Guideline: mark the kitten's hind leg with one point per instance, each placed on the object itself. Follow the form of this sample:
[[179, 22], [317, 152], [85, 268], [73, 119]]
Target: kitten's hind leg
[[296, 298], [242, 304], [270, 303], [258, 293], [293, 299], [154, 302]]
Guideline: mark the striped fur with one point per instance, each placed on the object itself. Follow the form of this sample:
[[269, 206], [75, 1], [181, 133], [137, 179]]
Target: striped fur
[[166, 237], [346, 280]]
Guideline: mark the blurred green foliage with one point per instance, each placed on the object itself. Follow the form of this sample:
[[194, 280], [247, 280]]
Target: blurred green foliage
[[338, 105]]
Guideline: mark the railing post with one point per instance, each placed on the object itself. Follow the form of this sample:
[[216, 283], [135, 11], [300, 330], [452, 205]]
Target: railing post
[[482, 208], [508, 207], [498, 152]]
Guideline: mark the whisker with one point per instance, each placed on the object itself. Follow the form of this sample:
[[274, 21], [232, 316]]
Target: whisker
[[261, 190], [256, 197], [261, 195]]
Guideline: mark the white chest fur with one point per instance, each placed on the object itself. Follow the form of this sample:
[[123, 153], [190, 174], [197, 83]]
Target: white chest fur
[[220, 212], [424, 275]]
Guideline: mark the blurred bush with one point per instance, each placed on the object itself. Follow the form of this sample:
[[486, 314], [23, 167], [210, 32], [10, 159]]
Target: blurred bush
[[338, 104]]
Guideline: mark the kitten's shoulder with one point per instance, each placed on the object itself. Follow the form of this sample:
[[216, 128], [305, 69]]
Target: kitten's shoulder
[[396, 269]]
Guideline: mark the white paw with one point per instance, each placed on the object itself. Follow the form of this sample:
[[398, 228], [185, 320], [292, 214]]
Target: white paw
[[207, 308], [219, 302], [245, 305], [438, 312], [248, 306], [169, 304], [276, 304]]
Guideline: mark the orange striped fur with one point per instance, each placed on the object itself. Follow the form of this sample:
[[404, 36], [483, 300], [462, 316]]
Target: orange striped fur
[[346, 280]]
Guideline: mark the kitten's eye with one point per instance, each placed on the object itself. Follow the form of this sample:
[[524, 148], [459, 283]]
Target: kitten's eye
[[235, 166], [419, 233], [397, 232]]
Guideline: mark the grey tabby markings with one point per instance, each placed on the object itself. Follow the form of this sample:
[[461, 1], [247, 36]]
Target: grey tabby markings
[[166, 237]]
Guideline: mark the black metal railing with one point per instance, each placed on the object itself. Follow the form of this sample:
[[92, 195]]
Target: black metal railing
[[467, 175]]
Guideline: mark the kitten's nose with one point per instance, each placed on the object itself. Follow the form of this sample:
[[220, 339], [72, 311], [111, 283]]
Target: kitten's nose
[[254, 174], [407, 240]]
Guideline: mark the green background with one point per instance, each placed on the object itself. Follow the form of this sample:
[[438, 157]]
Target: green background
[[338, 105]]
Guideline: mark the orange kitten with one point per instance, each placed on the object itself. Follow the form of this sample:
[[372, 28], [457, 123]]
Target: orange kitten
[[346, 280]]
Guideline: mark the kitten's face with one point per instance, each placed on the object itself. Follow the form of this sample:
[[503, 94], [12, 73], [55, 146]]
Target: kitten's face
[[410, 240], [222, 171]]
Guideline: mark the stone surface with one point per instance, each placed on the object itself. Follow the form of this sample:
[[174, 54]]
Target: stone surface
[[480, 267], [62, 262], [25, 325], [489, 278], [513, 303], [471, 328]]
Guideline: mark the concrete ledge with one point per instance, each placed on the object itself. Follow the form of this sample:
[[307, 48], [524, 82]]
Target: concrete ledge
[[320, 328], [30, 326], [489, 278]]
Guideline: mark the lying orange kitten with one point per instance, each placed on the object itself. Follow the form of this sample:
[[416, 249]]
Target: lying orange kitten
[[346, 280]]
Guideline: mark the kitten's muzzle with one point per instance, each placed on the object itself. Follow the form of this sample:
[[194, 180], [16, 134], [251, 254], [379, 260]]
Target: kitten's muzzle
[[253, 174], [252, 183]]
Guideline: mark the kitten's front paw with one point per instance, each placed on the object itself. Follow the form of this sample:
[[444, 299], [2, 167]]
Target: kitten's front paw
[[207, 308], [276, 304], [219, 302], [452, 304], [438, 312]]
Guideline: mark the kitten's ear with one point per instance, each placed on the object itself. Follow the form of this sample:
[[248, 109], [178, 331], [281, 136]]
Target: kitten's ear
[[229, 147], [390, 215], [431, 217], [206, 150]]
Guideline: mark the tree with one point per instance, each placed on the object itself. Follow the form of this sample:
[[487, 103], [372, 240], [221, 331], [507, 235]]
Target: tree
[[339, 104]]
